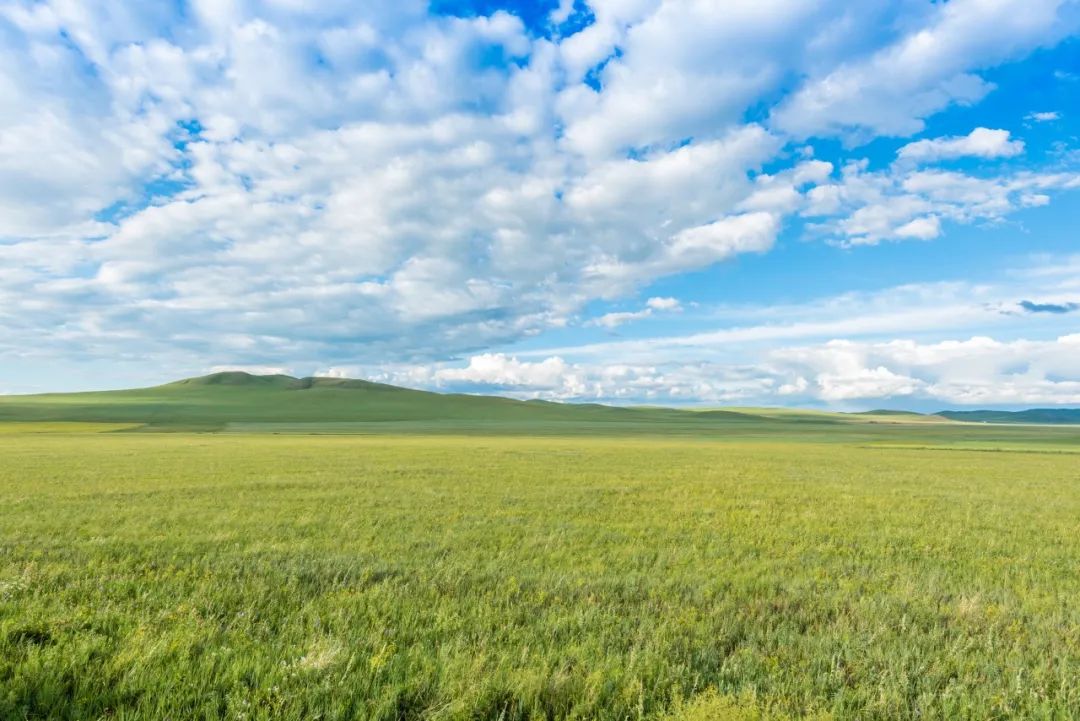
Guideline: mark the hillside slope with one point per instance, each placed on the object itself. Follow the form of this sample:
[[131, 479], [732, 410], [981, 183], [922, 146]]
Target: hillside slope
[[223, 399], [241, 401], [236, 401], [233, 397], [1041, 416]]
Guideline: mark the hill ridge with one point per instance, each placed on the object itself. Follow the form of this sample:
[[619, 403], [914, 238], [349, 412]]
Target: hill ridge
[[1041, 416], [244, 378], [218, 400]]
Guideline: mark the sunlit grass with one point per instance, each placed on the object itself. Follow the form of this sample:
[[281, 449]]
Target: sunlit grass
[[150, 576]]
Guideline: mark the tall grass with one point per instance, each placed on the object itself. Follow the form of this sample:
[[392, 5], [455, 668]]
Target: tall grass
[[180, 576]]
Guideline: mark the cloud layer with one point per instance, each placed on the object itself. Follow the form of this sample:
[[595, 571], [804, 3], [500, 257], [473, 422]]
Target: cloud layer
[[902, 346], [273, 183], [977, 371]]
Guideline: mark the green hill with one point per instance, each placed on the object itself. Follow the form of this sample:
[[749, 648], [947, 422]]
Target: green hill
[[221, 399], [244, 402], [1042, 416], [236, 401]]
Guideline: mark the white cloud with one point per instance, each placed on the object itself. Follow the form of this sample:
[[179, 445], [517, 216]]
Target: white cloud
[[562, 12], [972, 372], [796, 387], [865, 208], [665, 71], [877, 382], [896, 311], [652, 305], [931, 66], [663, 303], [496, 369], [979, 370], [979, 143], [617, 318], [705, 244], [410, 200], [555, 379], [253, 369], [949, 309], [1043, 117], [334, 373], [285, 182], [925, 228]]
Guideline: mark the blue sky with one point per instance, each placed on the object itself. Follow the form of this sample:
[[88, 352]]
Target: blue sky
[[767, 202]]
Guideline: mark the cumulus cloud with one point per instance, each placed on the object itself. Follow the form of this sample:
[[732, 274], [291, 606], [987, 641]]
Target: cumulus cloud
[[652, 305], [924, 228], [930, 67], [866, 207], [1043, 117], [978, 370], [663, 71], [277, 183], [979, 143], [554, 378], [499, 370], [617, 318], [972, 371], [254, 370], [403, 196], [663, 303], [333, 373], [721, 239], [893, 347]]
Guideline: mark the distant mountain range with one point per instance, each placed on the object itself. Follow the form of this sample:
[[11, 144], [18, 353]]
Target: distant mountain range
[[1035, 415]]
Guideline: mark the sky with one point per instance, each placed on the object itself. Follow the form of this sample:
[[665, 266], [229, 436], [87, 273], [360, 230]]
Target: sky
[[804, 203]]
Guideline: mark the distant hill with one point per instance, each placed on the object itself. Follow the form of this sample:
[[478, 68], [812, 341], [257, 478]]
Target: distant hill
[[220, 399], [237, 400], [1035, 415], [245, 402], [887, 412]]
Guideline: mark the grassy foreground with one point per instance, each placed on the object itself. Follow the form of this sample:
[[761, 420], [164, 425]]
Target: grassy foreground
[[184, 576]]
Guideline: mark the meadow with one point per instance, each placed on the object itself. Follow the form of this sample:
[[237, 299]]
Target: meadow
[[815, 571]]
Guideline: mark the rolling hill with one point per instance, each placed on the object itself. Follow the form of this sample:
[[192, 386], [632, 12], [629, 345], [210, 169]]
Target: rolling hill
[[235, 397], [242, 401], [237, 401], [222, 400], [1042, 416]]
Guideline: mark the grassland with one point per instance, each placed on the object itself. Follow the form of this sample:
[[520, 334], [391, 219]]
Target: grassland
[[742, 569]]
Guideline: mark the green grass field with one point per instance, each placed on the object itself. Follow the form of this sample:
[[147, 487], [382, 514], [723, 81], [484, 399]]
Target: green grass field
[[737, 570], [278, 548]]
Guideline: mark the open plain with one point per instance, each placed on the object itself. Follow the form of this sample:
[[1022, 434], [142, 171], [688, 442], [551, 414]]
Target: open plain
[[786, 566]]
